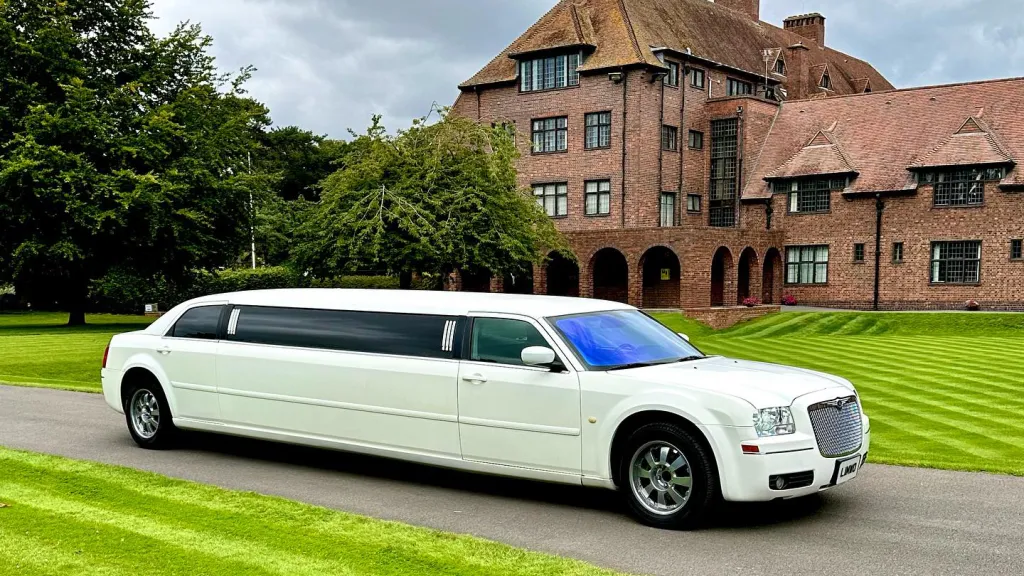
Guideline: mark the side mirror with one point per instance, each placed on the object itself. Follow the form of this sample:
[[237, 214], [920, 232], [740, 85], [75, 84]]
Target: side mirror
[[538, 356], [684, 336]]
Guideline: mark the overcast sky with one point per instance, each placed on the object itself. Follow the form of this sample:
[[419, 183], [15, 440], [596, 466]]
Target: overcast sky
[[328, 65]]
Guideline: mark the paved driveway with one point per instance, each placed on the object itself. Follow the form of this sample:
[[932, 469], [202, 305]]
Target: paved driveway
[[889, 521]]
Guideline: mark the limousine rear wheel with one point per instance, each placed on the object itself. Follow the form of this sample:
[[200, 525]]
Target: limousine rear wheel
[[668, 476], [149, 416]]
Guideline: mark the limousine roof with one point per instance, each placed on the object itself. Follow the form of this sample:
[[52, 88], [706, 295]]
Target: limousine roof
[[417, 302]]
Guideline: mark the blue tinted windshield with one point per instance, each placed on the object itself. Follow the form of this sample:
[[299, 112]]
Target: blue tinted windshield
[[622, 338]]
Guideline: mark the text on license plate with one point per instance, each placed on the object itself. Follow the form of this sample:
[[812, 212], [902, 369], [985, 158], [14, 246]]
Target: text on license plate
[[848, 470]]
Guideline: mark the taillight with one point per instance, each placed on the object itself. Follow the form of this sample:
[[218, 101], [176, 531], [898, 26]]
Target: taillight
[[106, 352]]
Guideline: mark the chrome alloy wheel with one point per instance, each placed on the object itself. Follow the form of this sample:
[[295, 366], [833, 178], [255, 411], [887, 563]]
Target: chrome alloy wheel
[[145, 414], [660, 478]]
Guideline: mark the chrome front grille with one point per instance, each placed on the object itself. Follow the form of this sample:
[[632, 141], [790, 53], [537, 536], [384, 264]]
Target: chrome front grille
[[837, 426]]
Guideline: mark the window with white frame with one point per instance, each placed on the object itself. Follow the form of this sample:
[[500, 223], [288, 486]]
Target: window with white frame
[[956, 262], [598, 198], [549, 73], [807, 265], [554, 198]]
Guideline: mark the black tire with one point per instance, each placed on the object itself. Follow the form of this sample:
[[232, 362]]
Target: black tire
[[700, 497], [164, 433]]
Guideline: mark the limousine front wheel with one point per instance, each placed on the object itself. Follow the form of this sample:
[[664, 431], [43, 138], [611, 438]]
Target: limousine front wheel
[[668, 476], [149, 417]]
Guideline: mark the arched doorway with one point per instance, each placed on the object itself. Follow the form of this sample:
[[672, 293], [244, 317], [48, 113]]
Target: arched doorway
[[720, 267], [771, 280], [611, 275], [661, 271], [563, 276], [476, 281], [520, 281], [747, 270]]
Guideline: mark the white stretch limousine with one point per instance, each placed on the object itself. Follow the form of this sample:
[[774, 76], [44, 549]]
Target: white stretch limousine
[[556, 389]]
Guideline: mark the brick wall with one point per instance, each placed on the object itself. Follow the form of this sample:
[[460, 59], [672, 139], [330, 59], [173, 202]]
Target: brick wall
[[722, 318]]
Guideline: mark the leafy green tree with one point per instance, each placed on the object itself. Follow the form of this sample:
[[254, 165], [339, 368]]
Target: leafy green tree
[[118, 149], [301, 160], [435, 198]]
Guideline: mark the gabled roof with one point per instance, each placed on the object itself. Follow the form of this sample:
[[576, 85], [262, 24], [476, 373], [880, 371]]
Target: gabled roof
[[974, 144], [623, 32], [884, 133], [821, 156]]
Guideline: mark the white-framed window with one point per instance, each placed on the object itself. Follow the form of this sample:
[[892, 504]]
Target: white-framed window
[[598, 198], [549, 73], [554, 198], [807, 265]]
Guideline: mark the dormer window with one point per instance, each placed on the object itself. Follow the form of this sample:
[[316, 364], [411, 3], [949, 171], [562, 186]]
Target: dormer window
[[961, 187], [549, 73], [826, 81], [780, 67]]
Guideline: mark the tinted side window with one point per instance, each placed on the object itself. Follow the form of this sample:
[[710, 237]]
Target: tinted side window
[[372, 332], [502, 341], [200, 323]]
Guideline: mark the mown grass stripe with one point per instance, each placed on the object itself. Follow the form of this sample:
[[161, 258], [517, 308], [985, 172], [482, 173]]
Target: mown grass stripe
[[206, 530]]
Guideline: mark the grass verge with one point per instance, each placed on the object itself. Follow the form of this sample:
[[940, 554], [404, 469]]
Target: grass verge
[[71, 517]]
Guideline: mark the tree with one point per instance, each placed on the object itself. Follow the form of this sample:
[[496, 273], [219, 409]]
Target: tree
[[435, 198], [118, 149], [300, 158]]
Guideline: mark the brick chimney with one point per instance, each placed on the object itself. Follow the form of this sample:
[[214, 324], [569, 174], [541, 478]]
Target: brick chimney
[[810, 26], [751, 8]]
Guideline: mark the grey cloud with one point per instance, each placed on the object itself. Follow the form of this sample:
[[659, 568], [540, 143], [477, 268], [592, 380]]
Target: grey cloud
[[328, 65]]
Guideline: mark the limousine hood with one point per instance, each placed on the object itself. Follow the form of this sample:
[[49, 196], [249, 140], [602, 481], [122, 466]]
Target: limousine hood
[[761, 384]]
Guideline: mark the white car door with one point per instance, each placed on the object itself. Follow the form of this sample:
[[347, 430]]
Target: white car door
[[188, 355], [513, 414]]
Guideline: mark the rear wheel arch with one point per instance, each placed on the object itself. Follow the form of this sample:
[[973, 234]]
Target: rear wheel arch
[[640, 419], [135, 377]]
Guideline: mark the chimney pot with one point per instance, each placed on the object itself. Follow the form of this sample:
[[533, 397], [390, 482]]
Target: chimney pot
[[751, 8]]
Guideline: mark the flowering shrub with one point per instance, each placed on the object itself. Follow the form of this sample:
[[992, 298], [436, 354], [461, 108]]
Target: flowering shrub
[[751, 302], [789, 300], [973, 305]]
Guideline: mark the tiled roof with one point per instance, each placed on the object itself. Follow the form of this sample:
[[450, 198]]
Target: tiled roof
[[823, 155], [624, 31], [973, 144], [883, 134]]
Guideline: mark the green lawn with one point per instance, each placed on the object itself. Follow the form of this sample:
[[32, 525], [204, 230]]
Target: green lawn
[[37, 349], [71, 517], [943, 390]]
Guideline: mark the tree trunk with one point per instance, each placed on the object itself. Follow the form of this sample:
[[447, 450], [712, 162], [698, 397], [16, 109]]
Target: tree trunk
[[77, 316], [405, 280]]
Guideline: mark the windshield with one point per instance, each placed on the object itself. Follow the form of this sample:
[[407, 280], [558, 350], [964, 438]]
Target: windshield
[[622, 339]]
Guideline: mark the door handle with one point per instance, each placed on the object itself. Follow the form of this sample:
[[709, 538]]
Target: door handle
[[475, 379], [165, 350]]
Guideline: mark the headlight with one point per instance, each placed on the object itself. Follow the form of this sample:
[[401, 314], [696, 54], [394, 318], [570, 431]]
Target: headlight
[[774, 422]]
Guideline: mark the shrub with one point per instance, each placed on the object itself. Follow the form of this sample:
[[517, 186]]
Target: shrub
[[751, 302], [973, 305], [359, 282], [122, 291], [789, 300], [242, 279]]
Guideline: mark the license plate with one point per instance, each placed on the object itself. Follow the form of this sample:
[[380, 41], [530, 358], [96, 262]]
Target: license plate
[[847, 470]]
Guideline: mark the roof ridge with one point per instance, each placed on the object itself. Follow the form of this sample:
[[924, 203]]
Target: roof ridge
[[915, 89], [632, 31], [576, 22]]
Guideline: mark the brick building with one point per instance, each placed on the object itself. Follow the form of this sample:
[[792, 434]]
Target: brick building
[[695, 156]]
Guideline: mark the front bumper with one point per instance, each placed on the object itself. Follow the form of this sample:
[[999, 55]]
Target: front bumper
[[745, 476]]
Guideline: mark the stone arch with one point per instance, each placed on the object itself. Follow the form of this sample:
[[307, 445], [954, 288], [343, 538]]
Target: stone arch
[[609, 272], [476, 280], [562, 276], [662, 272], [772, 277], [747, 278], [722, 280]]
